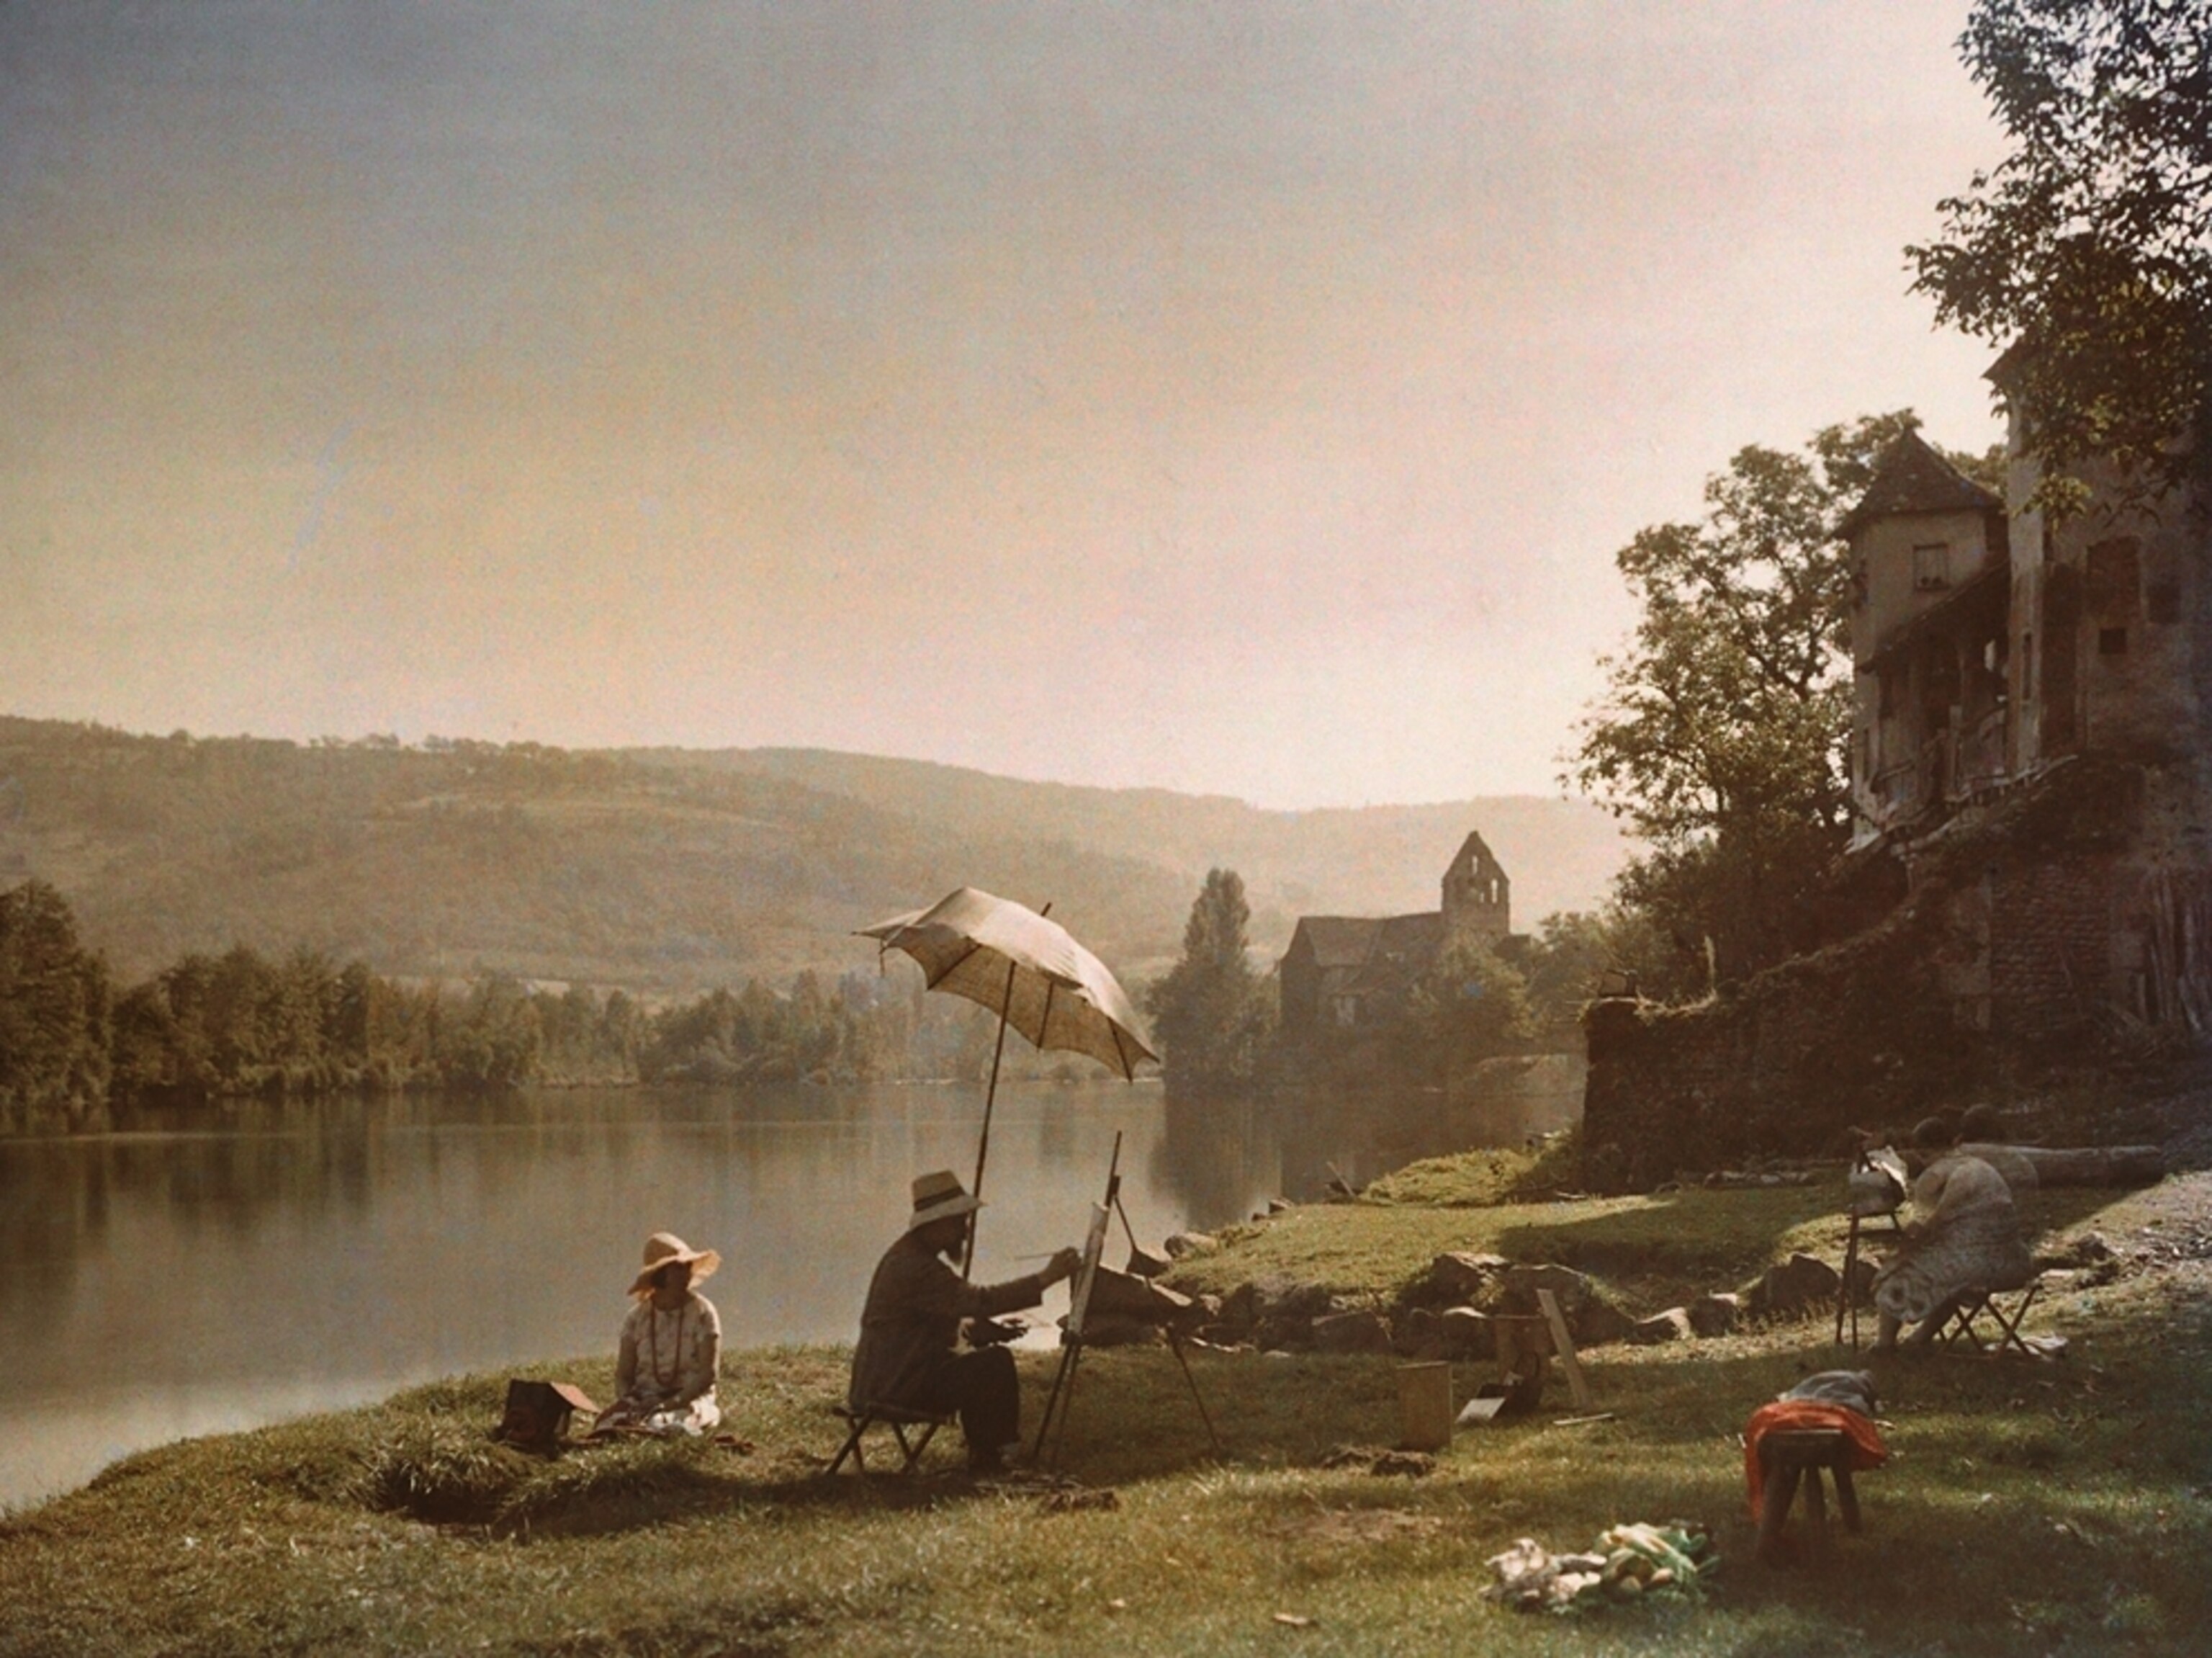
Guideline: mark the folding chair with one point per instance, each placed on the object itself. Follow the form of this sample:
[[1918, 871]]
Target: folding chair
[[1985, 1303], [900, 1420]]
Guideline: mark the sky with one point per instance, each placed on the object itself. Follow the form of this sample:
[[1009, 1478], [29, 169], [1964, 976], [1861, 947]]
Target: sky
[[1239, 398]]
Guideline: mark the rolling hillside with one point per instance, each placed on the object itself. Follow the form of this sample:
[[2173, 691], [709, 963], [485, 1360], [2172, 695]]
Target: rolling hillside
[[670, 871], [1375, 860]]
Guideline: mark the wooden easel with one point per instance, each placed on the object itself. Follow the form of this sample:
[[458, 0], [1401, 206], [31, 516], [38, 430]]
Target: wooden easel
[[1845, 1300], [1062, 1399]]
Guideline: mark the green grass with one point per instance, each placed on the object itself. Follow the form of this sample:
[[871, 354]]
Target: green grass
[[2028, 1509], [1645, 1247]]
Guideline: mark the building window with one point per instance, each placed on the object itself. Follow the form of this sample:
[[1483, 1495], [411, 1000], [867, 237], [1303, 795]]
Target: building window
[[1931, 567], [2112, 642], [2115, 575]]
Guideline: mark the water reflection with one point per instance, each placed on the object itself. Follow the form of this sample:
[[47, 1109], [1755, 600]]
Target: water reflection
[[1213, 1154], [274, 1258]]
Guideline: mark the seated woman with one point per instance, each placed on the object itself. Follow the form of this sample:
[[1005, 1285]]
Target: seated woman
[[671, 1346], [1964, 1238]]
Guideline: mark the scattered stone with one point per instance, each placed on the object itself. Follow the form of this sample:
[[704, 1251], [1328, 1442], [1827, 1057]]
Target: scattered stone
[[1119, 1330], [2087, 1250], [1597, 1322], [1122, 1293], [1240, 1308], [1185, 1244], [1672, 1324], [1411, 1464], [1144, 1264], [1279, 1206], [1521, 1283], [1417, 1333], [1282, 1299], [1283, 1333], [1376, 1460], [1791, 1286], [1461, 1276], [1350, 1332], [1468, 1334], [1715, 1315]]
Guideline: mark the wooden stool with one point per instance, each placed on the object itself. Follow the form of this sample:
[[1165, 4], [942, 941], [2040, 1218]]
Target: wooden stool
[[1788, 1457], [898, 1421]]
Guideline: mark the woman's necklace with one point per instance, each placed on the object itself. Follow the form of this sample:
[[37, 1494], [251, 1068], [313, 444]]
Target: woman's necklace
[[665, 1383]]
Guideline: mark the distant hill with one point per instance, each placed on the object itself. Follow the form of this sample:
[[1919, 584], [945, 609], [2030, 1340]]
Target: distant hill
[[1372, 860], [669, 870]]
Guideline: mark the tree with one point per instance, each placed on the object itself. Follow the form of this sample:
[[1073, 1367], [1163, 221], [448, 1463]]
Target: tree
[[1721, 737], [1210, 1014], [1469, 1005], [2089, 249], [54, 1013], [1572, 953]]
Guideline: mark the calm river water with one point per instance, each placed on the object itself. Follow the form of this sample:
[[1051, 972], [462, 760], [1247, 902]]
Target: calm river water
[[279, 1260]]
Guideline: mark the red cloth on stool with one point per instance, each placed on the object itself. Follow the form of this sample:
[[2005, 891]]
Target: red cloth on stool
[[1867, 1450]]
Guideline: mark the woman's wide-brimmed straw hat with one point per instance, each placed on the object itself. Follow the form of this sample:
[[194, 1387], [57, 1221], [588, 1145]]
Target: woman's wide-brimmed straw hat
[[939, 1197], [664, 1248]]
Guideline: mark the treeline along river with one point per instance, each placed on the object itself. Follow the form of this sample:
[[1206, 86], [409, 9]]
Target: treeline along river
[[253, 1259]]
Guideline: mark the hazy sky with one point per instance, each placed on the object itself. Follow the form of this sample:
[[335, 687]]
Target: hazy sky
[[1234, 398]]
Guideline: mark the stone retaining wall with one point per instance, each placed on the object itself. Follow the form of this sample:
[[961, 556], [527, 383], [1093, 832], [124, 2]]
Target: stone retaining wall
[[2017, 951]]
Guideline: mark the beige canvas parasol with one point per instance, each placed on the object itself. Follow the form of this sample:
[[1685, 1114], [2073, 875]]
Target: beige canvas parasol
[[1027, 969]]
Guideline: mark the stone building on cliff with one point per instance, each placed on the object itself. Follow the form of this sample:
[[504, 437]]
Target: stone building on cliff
[[2030, 880]]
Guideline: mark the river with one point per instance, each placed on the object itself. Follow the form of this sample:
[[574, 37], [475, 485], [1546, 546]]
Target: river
[[268, 1260]]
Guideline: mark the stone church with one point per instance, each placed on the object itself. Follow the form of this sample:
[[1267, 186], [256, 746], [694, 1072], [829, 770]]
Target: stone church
[[1344, 973]]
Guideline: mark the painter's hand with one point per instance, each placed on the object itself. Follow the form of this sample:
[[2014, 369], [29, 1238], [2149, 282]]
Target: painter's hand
[[1063, 1265]]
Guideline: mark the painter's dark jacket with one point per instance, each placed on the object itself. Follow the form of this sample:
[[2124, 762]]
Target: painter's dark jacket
[[912, 1319]]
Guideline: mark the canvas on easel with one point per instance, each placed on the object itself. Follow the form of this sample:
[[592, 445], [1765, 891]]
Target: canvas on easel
[[1094, 1248], [1071, 1338]]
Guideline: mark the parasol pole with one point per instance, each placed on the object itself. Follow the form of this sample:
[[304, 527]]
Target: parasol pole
[[990, 1098]]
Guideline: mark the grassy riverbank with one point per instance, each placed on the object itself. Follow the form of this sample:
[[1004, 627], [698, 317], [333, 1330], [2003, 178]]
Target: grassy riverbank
[[2028, 1507]]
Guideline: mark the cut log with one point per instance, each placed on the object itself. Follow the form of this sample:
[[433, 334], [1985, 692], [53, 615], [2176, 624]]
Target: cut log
[[2082, 1165]]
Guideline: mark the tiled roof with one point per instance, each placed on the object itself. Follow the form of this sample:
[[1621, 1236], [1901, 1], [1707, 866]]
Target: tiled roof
[[1337, 940], [1404, 947], [1913, 477]]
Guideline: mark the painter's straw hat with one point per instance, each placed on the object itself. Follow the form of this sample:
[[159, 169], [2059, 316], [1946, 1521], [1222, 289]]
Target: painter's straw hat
[[939, 1197]]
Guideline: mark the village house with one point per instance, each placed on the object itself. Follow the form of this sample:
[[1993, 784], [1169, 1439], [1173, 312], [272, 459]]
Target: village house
[[1344, 973], [2029, 884], [1992, 650]]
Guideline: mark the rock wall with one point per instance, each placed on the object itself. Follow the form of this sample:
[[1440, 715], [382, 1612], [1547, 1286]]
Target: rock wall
[[2025, 944]]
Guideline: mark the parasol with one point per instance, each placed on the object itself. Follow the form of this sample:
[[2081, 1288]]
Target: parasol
[[1027, 969]]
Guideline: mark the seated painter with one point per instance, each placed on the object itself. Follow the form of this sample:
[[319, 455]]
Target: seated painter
[[1964, 1238], [671, 1346], [908, 1356]]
